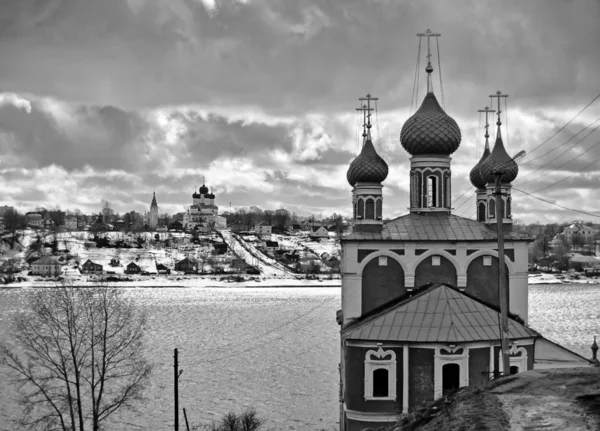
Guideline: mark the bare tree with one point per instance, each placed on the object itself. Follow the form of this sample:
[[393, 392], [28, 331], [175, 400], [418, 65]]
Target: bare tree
[[77, 355]]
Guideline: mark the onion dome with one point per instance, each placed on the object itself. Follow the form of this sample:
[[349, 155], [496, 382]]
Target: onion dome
[[368, 167], [475, 174], [196, 195], [203, 189], [499, 160], [430, 130]]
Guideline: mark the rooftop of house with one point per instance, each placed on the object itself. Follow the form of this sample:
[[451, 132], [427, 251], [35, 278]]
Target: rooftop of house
[[434, 227], [436, 313], [46, 260]]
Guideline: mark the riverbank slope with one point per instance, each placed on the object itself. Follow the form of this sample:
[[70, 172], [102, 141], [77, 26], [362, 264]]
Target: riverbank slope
[[554, 399]]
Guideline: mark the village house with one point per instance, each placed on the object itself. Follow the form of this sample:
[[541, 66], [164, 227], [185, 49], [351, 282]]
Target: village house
[[46, 266], [71, 223], [176, 226], [586, 232], [271, 245], [239, 226], [90, 267], [262, 228], [162, 269], [295, 228], [132, 268], [34, 219], [187, 266], [317, 232]]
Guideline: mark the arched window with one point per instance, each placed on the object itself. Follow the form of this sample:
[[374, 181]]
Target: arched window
[[370, 209], [418, 192], [380, 375], [379, 209], [447, 192], [355, 209], [380, 383], [508, 209], [492, 207], [432, 191], [413, 190], [361, 209], [481, 212]]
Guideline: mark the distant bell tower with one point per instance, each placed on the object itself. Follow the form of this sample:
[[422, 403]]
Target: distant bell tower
[[430, 136], [365, 174], [153, 217]]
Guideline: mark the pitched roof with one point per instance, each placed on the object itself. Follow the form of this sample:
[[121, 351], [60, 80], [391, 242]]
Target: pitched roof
[[438, 314], [46, 260], [434, 227]]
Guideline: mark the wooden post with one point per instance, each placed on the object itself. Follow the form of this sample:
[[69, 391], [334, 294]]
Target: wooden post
[[187, 425], [502, 285]]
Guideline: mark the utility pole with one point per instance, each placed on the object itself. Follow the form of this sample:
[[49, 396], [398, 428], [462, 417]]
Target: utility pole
[[502, 276], [176, 375]]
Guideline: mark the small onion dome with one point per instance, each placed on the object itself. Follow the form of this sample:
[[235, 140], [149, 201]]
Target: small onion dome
[[368, 167], [499, 160], [475, 174], [196, 195], [430, 130], [203, 190], [209, 196]]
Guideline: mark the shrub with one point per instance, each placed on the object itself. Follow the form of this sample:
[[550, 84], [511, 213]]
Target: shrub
[[245, 421]]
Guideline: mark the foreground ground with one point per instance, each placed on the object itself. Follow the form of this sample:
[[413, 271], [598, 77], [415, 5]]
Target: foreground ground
[[557, 399]]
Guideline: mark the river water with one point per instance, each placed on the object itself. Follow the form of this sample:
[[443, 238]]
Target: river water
[[275, 349]]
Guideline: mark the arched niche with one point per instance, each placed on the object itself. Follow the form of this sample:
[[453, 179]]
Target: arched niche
[[435, 268], [492, 208], [370, 209], [379, 209], [382, 281], [482, 279], [361, 209], [481, 211]]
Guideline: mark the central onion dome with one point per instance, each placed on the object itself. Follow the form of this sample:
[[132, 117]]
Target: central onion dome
[[499, 160], [430, 130], [475, 175], [203, 189], [368, 167]]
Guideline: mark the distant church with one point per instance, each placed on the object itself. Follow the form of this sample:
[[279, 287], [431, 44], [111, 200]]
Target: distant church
[[153, 214], [420, 300], [203, 215]]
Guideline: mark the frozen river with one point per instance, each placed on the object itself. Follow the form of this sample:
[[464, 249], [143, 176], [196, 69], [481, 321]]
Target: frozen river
[[276, 349]]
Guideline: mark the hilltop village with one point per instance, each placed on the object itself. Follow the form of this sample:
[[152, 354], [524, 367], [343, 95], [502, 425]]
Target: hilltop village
[[196, 247]]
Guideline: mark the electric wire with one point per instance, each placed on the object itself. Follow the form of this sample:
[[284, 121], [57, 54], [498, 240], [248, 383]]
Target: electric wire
[[569, 176], [557, 205], [563, 127], [561, 154], [378, 133]]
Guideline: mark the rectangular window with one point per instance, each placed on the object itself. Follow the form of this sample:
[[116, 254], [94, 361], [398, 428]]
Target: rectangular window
[[487, 260], [435, 260], [382, 260]]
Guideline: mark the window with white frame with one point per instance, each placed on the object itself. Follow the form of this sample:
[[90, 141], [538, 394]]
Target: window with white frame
[[435, 261], [446, 355], [487, 260], [517, 358], [380, 375]]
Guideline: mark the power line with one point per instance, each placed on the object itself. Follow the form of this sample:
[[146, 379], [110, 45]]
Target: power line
[[557, 205], [557, 157], [563, 127], [567, 177]]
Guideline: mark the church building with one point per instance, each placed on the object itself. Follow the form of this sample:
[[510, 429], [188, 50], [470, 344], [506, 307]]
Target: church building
[[203, 213], [420, 298]]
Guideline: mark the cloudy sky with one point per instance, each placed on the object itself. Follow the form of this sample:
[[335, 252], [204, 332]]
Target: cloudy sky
[[112, 99]]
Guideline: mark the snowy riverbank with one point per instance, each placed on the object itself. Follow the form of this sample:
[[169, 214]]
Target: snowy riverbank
[[178, 281]]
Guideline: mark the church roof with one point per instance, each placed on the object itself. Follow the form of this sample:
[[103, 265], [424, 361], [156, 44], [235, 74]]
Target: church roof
[[434, 227], [437, 314]]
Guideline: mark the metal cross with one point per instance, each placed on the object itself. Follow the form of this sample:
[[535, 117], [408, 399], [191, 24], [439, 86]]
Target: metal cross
[[428, 34], [498, 95], [487, 125], [368, 98]]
